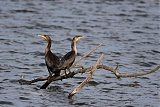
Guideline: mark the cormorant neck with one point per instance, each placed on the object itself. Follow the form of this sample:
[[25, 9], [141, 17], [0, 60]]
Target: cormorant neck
[[48, 45], [73, 46]]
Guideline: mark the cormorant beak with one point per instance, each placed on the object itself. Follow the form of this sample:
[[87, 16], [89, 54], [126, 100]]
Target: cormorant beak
[[80, 37], [42, 36]]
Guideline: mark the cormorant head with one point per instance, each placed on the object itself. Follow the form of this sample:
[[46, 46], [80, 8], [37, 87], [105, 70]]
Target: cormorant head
[[44, 36], [76, 38]]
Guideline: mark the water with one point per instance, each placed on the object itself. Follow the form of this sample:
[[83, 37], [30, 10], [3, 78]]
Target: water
[[130, 29]]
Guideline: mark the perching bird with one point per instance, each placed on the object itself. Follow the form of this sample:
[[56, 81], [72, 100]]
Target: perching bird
[[68, 59], [52, 61]]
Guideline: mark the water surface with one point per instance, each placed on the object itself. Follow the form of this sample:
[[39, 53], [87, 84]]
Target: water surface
[[130, 29]]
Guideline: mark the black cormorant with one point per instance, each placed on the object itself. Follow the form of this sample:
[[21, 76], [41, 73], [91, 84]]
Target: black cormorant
[[52, 61], [68, 59]]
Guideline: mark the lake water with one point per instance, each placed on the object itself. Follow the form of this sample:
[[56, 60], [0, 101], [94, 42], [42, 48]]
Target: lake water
[[132, 35]]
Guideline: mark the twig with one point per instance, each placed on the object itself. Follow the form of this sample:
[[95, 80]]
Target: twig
[[87, 78], [139, 74], [78, 65], [118, 75], [116, 71]]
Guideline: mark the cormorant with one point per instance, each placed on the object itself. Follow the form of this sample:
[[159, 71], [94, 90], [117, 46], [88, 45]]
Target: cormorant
[[68, 59], [52, 61]]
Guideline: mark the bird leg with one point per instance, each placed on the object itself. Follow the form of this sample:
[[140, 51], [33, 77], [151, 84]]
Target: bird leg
[[50, 73], [65, 73], [69, 71]]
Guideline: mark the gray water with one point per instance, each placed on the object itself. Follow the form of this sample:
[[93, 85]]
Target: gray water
[[130, 29]]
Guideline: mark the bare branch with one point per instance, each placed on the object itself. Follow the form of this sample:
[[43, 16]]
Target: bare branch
[[70, 75], [87, 78], [126, 75], [25, 82], [79, 66], [139, 74]]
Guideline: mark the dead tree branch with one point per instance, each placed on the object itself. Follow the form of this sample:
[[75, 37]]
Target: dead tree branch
[[94, 68], [138, 74], [85, 70], [25, 82], [118, 75]]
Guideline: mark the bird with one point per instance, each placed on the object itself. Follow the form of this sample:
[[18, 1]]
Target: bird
[[52, 61], [68, 59]]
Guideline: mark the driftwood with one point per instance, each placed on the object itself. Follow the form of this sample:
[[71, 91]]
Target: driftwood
[[94, 68], [91, 69]]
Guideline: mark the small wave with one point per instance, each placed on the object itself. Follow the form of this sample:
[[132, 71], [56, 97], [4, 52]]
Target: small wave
[[23, 98], [6, 103], [137, 32], [23, 11]]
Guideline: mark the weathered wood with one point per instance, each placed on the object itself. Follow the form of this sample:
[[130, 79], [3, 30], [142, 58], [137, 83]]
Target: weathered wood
[[85, 81]]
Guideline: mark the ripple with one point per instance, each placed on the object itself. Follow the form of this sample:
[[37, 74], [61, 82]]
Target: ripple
[[139, 11], [147, 64], [2, 88], [155, 51], [129, 85], [84, 30], [72, 102], [93, 83], [142, 15], [6, 103], [24, 98], [23, 11], [144, 78], [138, 32], [129, 106], [121, 14]]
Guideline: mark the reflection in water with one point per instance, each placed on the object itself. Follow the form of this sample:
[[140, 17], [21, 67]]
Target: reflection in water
[[130, 29], [78, 103]]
